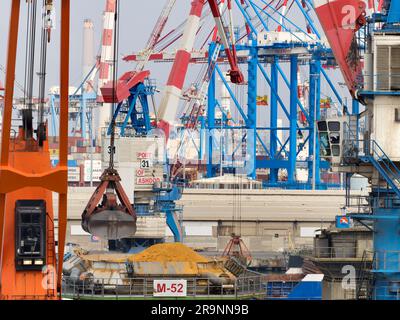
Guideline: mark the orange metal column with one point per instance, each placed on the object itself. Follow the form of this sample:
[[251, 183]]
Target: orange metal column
[[8, 103], [64, 100]]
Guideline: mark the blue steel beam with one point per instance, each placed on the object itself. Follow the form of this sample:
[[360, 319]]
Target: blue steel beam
[[258, 15], [311, 23], [287, 20], [232, 95], [273, 88], [293, 120], [336, 93], [252, 112], [247, 18], [285, 79], [274, 116], [211, 116], [314, 107]]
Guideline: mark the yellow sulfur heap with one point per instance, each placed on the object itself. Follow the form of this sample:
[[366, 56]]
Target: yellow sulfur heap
[[168, 252]]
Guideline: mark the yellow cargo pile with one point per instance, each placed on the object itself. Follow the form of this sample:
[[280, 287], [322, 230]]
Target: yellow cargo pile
[[168, 252], [168, 259]]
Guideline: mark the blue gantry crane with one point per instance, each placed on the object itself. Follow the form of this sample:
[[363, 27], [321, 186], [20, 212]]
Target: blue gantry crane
[[366, 142]]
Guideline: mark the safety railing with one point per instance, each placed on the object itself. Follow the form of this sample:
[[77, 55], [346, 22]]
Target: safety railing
[[339, 251], [387, 260], [386, 293], [381, 82], [155, 209], [137, 288], [279, 289], [356, 204]]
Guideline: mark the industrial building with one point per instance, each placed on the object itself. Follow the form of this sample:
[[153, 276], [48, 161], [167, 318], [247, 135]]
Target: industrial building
[[245, 150]]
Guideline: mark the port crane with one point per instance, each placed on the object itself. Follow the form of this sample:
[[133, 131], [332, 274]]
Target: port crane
[[365, 39], [30, 265], [133, 86]]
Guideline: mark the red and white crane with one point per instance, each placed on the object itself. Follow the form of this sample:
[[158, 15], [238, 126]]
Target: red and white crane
[[155, 34], [169, 103], [229, 46], [173, 90], [116, 93], [340, 27]]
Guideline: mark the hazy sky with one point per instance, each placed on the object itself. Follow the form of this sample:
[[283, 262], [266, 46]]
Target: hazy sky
[[137, 20]]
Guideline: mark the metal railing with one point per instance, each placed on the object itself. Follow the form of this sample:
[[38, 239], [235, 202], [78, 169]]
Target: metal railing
[[339, 252], [386, 293], [139, 288], [387, 260], [357, 204], [280, 289]]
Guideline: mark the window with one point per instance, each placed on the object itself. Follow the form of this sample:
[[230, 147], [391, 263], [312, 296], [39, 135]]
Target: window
[[325, 150], [334, 137], [336, 150], [334, 125], [322, 126], [30, 234], [387, 67]]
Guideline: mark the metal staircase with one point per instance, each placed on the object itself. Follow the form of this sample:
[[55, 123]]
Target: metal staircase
[[386, 167], [134, 112], [369, 151], [366, 278]]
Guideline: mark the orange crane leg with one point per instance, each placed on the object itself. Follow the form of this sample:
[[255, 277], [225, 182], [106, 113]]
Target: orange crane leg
[[28, 268]]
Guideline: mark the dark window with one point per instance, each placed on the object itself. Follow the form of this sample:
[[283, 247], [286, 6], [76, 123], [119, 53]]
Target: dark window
[[336, 150], [30, 234], [322, 126], [30, 243], [323, 138], [334, 125]]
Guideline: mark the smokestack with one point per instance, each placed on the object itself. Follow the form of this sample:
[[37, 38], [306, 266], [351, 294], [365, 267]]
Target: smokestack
[[106, 62], [88, 57]]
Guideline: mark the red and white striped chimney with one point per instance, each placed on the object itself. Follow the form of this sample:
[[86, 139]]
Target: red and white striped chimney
[[173, 91], [106, 59]]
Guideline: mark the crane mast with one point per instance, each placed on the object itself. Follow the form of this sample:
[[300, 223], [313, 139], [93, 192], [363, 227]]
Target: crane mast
[[30, 267]]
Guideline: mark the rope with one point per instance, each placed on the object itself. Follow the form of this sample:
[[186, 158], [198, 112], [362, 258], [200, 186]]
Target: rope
[[42, 73]]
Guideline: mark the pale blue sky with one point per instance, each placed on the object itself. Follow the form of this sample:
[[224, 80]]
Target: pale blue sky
[[137, 20]]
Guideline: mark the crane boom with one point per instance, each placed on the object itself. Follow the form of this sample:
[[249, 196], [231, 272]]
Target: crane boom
[[341, 19], [172, 93], [156, 34], [230, 50]]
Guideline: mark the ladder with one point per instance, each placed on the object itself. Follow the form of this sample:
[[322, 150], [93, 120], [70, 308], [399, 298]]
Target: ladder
[[50, 257], [366, 279]]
